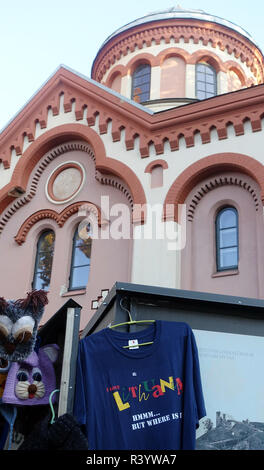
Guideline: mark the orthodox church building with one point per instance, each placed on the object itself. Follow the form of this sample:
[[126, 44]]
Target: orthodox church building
[[149, 172]]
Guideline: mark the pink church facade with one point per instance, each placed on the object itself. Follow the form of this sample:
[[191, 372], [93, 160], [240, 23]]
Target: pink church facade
[[150, 172]]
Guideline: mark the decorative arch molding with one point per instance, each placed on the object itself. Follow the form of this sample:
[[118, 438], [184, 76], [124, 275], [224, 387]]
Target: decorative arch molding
[[159, 162], [232, 65], [59, 136], [206, 167], [211, 58], [115, 183], [216, 182], [217, 36], [118, 70], [59, 150], [144, 58], [173, 52], [154, 61], [59, 217]]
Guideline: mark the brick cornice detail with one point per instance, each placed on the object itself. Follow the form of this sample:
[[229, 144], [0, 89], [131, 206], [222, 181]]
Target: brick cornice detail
[[186, 121], [145, 34], [213, 165], [59, 217], [134, 122], [200, 117]]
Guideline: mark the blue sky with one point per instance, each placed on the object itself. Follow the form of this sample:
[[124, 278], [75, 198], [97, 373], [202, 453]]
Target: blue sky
[[37, 37]]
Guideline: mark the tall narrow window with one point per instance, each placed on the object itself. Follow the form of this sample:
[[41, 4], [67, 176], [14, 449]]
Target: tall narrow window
[[227, 239], [44, 258], [80, 263], [205, 81], [141, 83]]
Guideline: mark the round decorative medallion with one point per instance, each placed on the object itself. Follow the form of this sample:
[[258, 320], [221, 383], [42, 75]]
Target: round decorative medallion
[[65, 182]]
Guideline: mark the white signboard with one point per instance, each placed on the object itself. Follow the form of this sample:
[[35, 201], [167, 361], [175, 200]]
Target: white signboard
[[232, 373]]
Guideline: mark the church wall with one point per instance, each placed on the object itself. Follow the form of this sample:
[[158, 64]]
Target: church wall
[[18, 257], [129, 142], [147, 267]]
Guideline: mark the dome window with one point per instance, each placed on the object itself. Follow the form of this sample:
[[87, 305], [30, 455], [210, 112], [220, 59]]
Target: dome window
[[205, 81], [141, 83]]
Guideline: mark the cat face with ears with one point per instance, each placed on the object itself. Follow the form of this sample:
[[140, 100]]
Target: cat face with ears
[[31, 381], [19, 320]]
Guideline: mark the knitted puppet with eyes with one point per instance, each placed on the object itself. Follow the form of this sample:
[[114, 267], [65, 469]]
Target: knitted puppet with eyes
[[31, 381], [19, 320]]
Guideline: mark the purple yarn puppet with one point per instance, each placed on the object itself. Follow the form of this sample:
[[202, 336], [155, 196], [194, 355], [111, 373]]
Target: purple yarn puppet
[[31, 381]]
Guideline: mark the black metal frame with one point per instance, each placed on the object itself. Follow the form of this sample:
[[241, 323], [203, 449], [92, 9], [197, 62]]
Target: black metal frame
[[201, 310]]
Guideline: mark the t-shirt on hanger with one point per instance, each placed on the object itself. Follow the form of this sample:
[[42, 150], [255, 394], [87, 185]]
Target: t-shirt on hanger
[[147, 397]]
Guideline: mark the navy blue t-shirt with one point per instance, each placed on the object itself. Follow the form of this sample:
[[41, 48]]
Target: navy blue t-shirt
[[146, 398]]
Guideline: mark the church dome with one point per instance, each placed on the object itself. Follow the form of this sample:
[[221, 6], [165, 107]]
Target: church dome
[[174, 56], [176, 13]]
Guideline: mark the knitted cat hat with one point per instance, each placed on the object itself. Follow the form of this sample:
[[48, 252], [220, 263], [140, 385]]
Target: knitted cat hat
[[31, 381], [19, 320]]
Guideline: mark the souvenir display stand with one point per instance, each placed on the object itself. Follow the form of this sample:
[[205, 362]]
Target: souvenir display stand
[[229, 333], [202, 311], [62, 330]]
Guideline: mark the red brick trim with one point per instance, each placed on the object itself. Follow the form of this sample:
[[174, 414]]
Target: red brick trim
[[62, 134], [21, 201], [222, 179], [144, 58], [190, 29], [213, 164], [151, 165], [173, 52], [209, 56], [59, 217], [232, 65], [185, 121], [118, 70]]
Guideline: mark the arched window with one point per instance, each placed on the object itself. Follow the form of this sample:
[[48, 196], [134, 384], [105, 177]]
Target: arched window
[[205, 81], [80, 262], [44, 259], [141, 83], [227, 239]]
